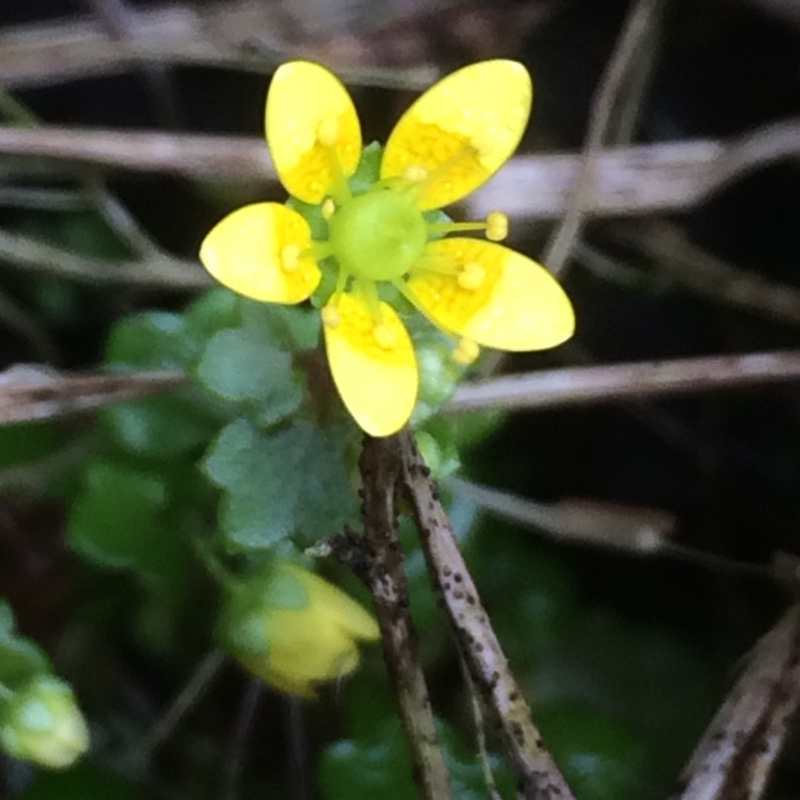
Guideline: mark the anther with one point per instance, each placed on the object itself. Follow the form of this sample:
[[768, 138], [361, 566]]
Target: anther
[[415, 173], [290, 257], [385, 336], [471, 275], [496, 226], [328, 208], [328, 131], [331, 318], [466, 352]]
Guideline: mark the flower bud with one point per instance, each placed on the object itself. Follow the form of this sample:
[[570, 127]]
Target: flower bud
[[41, 723], [293, 629]]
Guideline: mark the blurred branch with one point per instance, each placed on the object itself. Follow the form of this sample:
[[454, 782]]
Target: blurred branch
[[583, 385], [737, 753], [159, 271], [31, 392], [630, 180], [120, 21], [635, 530], [629, 529], [377, 559], [538, 777], [629, 44], [627, 180], [237, 34], [678, 259]]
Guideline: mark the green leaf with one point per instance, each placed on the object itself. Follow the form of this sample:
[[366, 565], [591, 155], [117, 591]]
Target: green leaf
[[161, 427], [152, 340], [288, 327], [118, 521], [171, 424], [20, 658], [244, 367], [292, 482], [214, 311]]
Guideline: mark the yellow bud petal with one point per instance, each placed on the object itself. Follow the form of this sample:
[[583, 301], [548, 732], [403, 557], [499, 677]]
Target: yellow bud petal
[[461, 131], [518, 304], [258, 252], [373, 365]]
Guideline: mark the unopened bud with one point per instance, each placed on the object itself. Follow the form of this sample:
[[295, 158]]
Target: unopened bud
[[41, 723]]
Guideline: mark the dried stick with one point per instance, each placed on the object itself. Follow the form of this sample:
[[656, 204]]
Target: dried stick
[[582, 385], [644, 179], [158, 271], [28, 392], [737, 753], [235, 34], [377, 559], [633, 33], [538, 777]]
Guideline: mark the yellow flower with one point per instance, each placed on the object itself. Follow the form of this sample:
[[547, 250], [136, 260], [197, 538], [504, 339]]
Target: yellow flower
[[294, 629], [451, 140]]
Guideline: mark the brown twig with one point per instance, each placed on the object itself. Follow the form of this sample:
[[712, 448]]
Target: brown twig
[[677, 259], [538, 777], [233, 34], [737, 753], [628, 44], [583, 385], [644, 179], [159, 271], [378, 559], [29, 392]]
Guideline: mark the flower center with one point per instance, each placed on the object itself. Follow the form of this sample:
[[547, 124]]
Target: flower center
[[378, 235]]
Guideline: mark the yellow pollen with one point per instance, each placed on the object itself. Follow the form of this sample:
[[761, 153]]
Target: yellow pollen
[[290, 257], [328, 131], [496, 226], [415, 173], [466, 352], [385, 336], [328, 208], [331, 316], [471, 275]]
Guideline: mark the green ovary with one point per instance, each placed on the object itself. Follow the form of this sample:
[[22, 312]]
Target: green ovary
[[377, 236]]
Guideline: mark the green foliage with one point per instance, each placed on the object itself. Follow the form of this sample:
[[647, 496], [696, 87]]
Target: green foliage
[[378, 766], [20, 658], [120, 521], [291, 482], [84, 782], [601, 758], [244, 367]]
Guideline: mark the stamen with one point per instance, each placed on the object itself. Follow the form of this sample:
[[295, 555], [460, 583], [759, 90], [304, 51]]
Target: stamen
[[471, 276], [385, 336], [290, 257], [328, 131], [415, 173], [496, 226], [328, 208], [331, 318], [466, 352]]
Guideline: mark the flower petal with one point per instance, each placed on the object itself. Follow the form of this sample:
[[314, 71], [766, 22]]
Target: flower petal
[[258, 251], [306, 102], [498, 298], [373, 365], [462, 130], [340, 608]]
